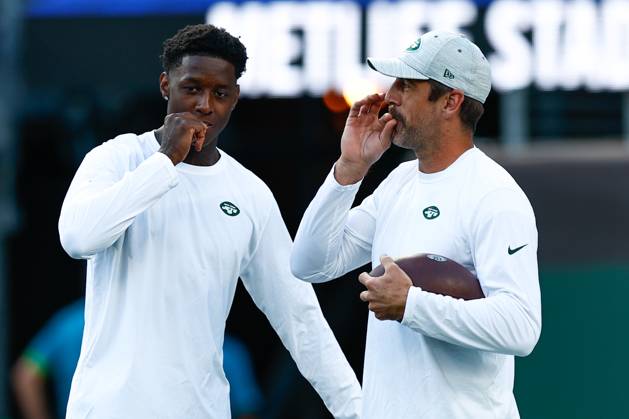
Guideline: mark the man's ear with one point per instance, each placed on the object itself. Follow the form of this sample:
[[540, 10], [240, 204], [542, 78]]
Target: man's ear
[[454, 100], [164, 85]]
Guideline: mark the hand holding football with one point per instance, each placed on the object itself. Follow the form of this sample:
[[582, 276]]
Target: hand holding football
[[439, 275]]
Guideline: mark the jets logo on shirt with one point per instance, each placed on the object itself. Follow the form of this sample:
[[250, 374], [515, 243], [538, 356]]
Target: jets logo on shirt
[[431, 212], [229, 208]]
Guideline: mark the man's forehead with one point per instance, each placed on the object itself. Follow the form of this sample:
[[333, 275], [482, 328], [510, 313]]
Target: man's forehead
[[204, 66]]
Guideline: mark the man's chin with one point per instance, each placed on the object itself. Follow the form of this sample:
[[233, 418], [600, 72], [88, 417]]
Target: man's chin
[[210, 139], [399, 140]]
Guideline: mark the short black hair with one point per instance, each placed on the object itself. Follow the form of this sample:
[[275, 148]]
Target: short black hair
[[207, 40], [471, 109]]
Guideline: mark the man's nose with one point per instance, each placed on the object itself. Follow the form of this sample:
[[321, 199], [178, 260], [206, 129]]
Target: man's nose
[[393, 94], [204, 103]]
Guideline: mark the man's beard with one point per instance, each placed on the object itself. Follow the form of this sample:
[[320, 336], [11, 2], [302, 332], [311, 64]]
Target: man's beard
[[410, 137], [403, 135]]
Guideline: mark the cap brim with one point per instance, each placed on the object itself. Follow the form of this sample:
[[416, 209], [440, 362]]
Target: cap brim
[[394, 67]]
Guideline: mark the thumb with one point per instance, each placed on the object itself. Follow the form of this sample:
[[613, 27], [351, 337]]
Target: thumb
[[387, 262], [389, 265], [387, 131]]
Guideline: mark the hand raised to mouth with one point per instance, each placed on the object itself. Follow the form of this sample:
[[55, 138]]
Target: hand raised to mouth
[[365, 138], [180, 133]]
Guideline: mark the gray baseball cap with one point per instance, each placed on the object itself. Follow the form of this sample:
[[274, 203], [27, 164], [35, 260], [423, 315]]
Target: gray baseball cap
[[446, 57]]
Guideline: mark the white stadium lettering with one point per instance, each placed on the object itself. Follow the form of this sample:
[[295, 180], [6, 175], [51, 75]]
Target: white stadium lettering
[[298, 47]]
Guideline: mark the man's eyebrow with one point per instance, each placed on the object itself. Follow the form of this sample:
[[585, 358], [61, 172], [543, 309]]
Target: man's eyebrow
[[200, 80], [192, 79]]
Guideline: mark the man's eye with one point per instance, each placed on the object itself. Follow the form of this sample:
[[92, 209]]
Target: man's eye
[[221, 93], [191, 89]]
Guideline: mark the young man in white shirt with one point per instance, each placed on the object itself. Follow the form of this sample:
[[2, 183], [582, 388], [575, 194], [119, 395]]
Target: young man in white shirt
[[168, 222], [429, 355]]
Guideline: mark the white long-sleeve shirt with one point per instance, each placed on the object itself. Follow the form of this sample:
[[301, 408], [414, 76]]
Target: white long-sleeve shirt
[[165, 246], [448, 358]]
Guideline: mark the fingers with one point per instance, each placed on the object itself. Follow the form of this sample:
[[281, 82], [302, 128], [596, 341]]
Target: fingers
[[371, 296], [354, 110], [364, 279], [389, 265], [369, 105], [378, 310], [369, 100], [386, 118], [386, 261], [196, 129], [198, 138], [383, 294], [359, 108], [386, 135], [364, 296], [375, 306], [388, 123]]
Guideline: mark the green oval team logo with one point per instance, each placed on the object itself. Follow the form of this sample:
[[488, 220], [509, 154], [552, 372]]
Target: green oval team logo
[[229, 208], [431, 213], [415, 45]]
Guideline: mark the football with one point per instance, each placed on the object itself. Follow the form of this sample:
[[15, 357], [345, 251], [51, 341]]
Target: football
[[439, 275]]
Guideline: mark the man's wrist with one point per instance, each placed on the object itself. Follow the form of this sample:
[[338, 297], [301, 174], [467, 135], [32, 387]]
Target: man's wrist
[[348, 173], [172, 159]]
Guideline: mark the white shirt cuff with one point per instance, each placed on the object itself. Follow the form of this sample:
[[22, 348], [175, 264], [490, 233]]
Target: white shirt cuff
[[164, 162], [330, 181], [414, 293]]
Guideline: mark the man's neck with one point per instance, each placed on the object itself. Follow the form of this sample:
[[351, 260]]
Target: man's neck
[[443, 155], [208, 156]]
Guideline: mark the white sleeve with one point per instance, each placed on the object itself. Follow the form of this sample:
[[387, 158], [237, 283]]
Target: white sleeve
[[508, 320], [104, 198], [332, 239], [294, 312]]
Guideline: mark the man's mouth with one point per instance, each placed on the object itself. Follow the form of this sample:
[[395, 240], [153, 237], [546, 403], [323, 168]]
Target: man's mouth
[[398, 118], [399, 125], [395, 115]]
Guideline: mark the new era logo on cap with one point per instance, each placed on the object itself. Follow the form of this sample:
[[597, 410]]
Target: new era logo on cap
[[446, 57]]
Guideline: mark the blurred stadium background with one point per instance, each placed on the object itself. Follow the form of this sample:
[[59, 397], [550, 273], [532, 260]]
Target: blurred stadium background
[[76, 73]]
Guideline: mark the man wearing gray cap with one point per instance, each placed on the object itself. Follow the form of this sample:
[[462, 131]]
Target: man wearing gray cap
[[443, 357]]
